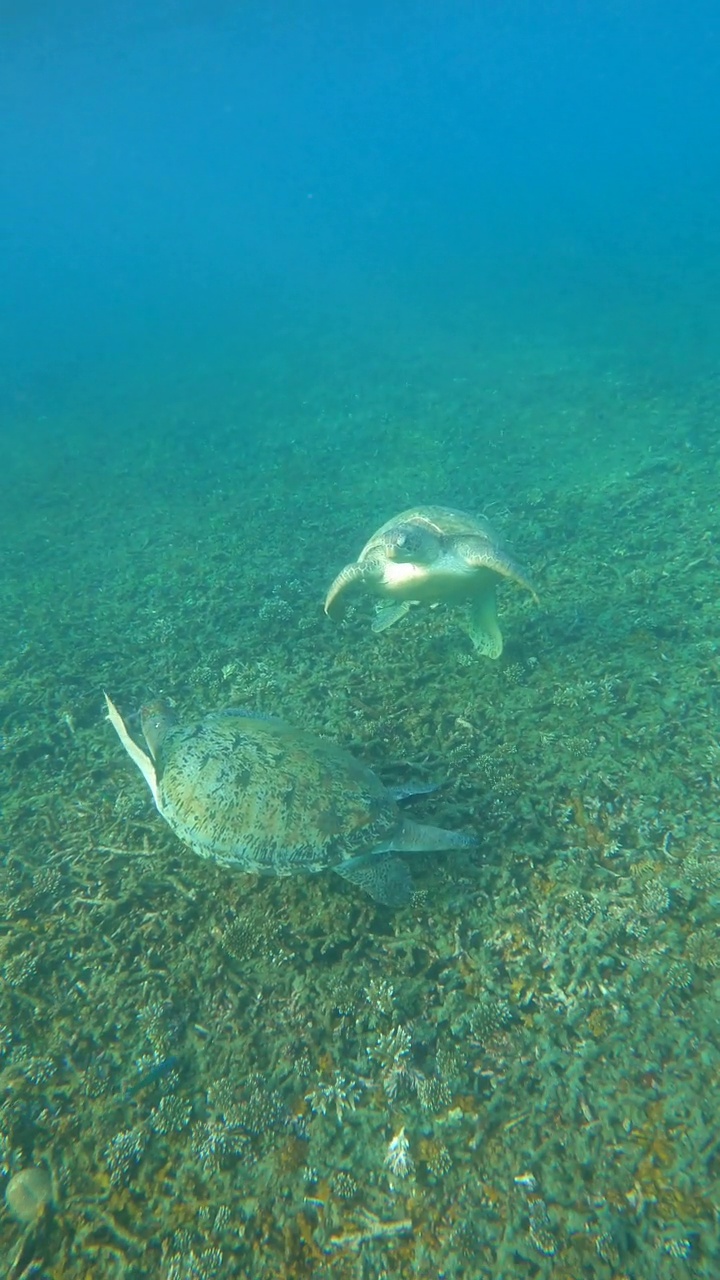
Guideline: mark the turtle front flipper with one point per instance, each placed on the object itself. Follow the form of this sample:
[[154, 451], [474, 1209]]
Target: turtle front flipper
[[483, 625], [387, 880], [337, 598], [479, 554]]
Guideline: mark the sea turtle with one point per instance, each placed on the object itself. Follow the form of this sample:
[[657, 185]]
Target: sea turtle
[[432, 555], [256, 793]]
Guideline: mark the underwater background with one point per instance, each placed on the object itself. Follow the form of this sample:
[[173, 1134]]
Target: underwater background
[[269, 275]]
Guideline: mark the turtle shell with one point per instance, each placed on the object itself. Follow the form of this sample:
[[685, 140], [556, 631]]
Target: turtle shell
[[446, 522], [268, 797]]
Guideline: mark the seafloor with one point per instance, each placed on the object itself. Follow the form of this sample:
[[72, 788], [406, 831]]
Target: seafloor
[[212, 1066]]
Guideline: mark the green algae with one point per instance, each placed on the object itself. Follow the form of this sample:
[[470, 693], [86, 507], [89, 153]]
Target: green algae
[[216, 1067]]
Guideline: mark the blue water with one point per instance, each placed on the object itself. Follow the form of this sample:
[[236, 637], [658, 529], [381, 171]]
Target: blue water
[[184, 184], [269, 275]]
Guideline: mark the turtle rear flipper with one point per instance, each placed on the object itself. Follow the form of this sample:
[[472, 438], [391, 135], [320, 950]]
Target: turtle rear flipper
[[386, 615], [418, 837], [387, 880], [337, 598], [409, 790]]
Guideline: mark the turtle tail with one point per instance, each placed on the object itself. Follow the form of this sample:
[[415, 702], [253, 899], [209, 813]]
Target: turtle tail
[[336, 600]]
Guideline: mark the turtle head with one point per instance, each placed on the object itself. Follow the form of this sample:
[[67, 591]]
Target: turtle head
[[156, 718], [411, 544]]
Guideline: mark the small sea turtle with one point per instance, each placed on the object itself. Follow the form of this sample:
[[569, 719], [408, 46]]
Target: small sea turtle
[[432, 555], [256, 793]]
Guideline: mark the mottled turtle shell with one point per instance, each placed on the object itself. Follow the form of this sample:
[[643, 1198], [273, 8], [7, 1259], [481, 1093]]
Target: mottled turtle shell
[[268, 797]]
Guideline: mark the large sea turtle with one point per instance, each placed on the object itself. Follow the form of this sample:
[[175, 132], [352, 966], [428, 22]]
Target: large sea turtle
[[256, 793], [432, 555]]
